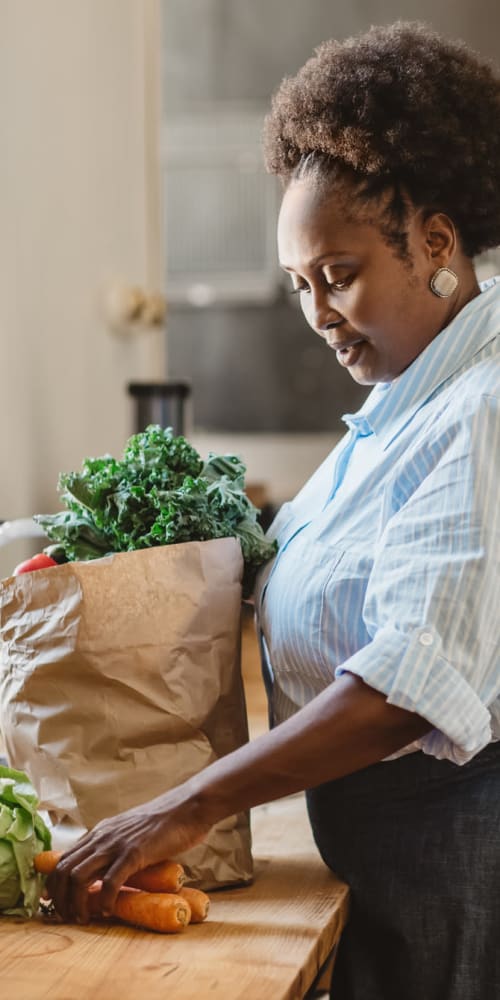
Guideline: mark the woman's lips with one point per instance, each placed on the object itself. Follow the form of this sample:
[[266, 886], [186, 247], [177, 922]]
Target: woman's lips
[[349, 354]]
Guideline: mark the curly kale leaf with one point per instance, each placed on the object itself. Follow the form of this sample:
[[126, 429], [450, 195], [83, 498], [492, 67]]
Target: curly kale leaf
[[159, 493]]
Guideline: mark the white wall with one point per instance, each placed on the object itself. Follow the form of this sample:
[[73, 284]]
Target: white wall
[[78, 208]]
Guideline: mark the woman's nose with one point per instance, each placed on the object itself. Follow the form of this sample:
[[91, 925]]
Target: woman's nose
[[322, 317]]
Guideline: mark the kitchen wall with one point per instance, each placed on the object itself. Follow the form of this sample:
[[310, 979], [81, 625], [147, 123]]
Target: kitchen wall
[[263, 384], [79, 209]]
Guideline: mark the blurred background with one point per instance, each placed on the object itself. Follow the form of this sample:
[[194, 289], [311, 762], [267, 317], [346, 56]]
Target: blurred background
[[137, 233]]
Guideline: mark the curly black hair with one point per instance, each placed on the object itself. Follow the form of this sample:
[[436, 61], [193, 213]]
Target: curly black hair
[[400, 110]]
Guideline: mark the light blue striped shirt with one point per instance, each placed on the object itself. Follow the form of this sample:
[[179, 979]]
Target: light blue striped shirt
[[388, 557]]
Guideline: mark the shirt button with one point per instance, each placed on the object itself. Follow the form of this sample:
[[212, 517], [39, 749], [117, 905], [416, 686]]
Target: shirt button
[[426, 639]]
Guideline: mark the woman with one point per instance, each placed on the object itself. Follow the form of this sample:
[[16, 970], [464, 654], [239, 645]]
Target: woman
[[384, 580]]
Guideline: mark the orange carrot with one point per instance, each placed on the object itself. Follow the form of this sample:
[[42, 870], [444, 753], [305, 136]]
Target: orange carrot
[[198, 901], [46, 861], [167, 876], [165, 912]]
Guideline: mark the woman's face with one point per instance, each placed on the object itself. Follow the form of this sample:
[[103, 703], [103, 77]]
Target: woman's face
[[373, 309]]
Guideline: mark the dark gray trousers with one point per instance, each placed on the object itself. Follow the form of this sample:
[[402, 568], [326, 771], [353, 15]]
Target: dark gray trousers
[[418, 842]]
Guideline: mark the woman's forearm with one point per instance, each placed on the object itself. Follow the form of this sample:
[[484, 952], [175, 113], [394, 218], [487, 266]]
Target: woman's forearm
[[347, 727]]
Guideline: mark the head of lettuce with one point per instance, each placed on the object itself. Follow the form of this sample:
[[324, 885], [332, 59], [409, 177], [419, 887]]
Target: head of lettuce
[[22, 835]]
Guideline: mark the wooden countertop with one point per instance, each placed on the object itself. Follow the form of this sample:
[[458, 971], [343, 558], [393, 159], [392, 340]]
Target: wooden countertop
[[267, 941]]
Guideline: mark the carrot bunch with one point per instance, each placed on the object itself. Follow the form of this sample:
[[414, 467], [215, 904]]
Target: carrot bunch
[[154, 898]]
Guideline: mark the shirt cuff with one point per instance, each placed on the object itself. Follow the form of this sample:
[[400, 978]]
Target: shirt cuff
[[413, 673]]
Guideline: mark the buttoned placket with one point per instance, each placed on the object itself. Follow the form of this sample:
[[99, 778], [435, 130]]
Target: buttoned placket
[[359, 427]]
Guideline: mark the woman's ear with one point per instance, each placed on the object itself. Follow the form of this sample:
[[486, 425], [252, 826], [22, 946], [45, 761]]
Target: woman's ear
[[440, 238]]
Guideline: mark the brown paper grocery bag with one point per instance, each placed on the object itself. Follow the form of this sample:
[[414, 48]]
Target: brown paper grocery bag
[[119, 678]]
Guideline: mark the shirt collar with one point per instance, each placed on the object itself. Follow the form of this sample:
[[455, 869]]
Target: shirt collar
[[391, 405]]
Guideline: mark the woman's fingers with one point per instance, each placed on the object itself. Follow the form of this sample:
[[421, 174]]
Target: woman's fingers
[[104, 854], [75, 874], [68, 884], [115, 877], [120, 846]]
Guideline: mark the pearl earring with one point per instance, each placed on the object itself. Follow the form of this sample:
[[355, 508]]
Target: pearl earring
[[443, 282]]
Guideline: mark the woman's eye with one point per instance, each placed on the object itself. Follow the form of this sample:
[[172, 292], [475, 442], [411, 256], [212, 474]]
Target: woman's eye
[[340, 285]]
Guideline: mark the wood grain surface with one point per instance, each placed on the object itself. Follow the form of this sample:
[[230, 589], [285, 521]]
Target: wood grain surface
[[266, 941]]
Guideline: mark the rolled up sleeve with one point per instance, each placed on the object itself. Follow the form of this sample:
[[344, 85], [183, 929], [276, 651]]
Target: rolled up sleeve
[[430, 605], [413, 673]]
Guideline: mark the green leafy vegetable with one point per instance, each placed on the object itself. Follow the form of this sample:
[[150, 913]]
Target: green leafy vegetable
[[160, 492], [22, 835]]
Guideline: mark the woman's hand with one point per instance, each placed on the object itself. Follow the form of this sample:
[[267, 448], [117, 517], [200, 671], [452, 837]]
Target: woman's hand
[[122, 845]]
